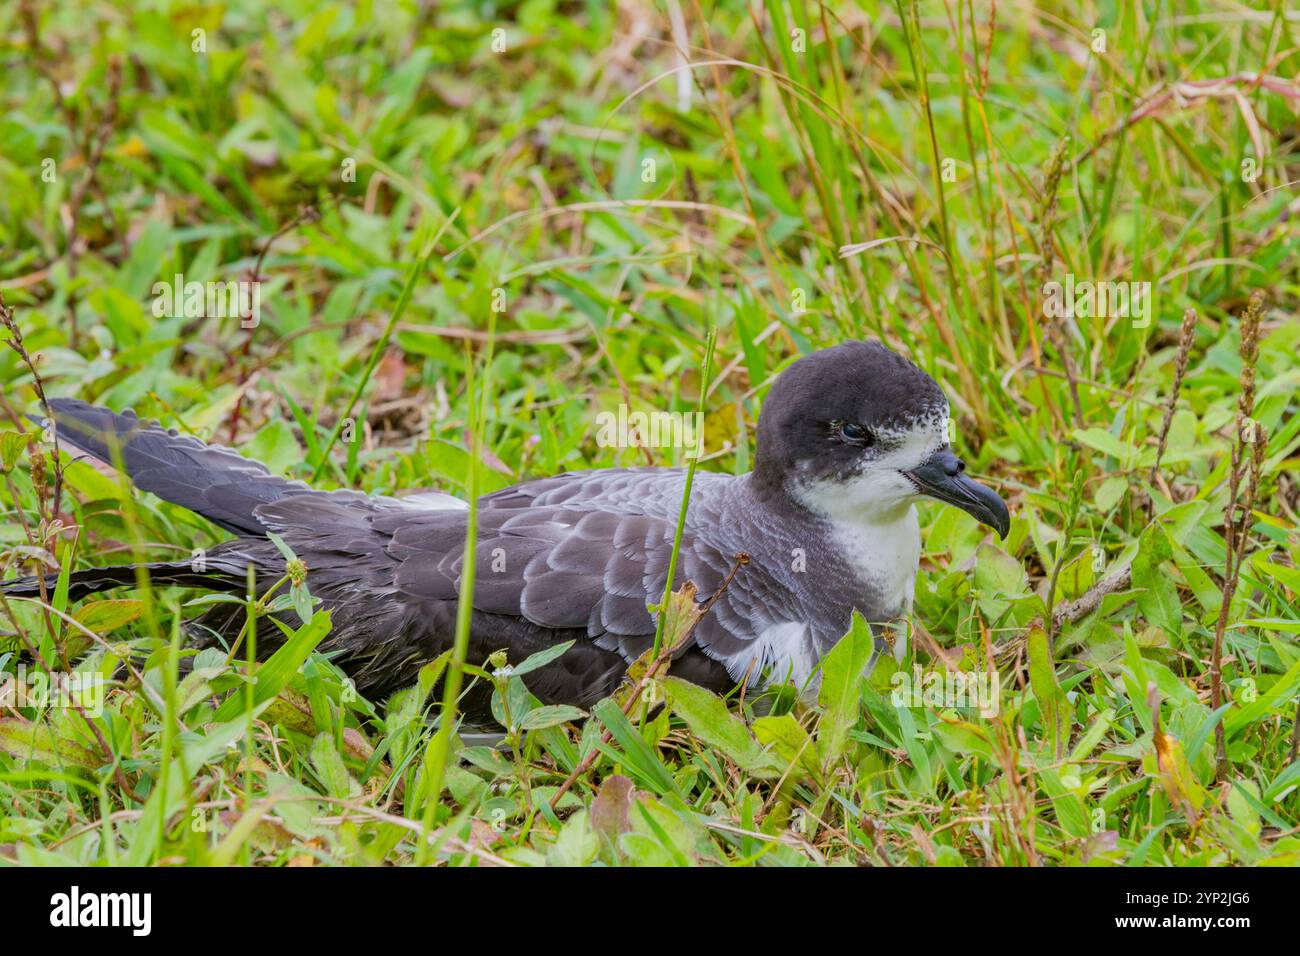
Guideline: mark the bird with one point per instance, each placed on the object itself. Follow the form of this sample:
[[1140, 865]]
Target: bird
[[848, 440]]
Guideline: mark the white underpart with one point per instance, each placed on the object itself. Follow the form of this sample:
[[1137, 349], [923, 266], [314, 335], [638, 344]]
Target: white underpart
[[779, 652]]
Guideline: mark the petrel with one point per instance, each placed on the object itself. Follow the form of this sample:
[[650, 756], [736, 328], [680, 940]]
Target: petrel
[[849, 439]]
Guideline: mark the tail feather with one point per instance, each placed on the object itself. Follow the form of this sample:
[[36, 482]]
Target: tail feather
[[210, 480], [91, 580], [215, 482]]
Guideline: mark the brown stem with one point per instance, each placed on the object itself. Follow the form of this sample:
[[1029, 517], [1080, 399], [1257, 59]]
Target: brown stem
[[1236, 531], [1057, 329], [1186, 335], [15, 342], [118, 775]]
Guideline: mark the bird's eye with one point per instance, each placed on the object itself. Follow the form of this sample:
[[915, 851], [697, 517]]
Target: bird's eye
[[855, 432]]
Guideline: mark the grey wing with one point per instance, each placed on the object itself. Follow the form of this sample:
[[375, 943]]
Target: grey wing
[[554, 553], [560, 568]]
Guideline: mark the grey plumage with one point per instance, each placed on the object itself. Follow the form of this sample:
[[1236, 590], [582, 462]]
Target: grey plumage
[[574, 557]]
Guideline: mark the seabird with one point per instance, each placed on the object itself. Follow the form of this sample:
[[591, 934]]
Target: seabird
[[849, 439]]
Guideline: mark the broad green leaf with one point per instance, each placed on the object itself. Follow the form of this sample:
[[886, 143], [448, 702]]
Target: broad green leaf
[[90, 483], [1103, 441], [330, 768], [12, 446], [1077, 576], [1052, 703], [1071, 812], [540, 659], [963, 737], [709, 719], [577, 843], [275, 446], [998, 574], [283, 664], [452, 462], [1242, 797], [551, 715], [216, 742], [637, 755], [1157, 597], [669, 831], [1109, 492], [842, 670]]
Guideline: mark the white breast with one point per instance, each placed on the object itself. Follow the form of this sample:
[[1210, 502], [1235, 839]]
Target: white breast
[[873, 524], [885, 555]]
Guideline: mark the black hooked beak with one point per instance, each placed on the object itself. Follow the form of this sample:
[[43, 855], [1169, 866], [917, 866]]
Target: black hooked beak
[[941, 476]]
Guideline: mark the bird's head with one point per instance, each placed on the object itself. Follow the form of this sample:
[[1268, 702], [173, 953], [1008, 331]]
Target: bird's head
[[857, 432]]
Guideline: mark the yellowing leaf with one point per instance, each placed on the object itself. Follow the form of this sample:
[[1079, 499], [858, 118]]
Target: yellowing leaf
[[12, 445], [104, 616], [787, 739], [28, 741], [1176, 775]]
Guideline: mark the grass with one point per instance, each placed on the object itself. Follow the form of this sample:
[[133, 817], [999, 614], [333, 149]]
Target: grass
[[591, 209]]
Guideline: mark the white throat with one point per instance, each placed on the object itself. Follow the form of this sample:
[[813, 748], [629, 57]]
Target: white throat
[[873, 522]]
